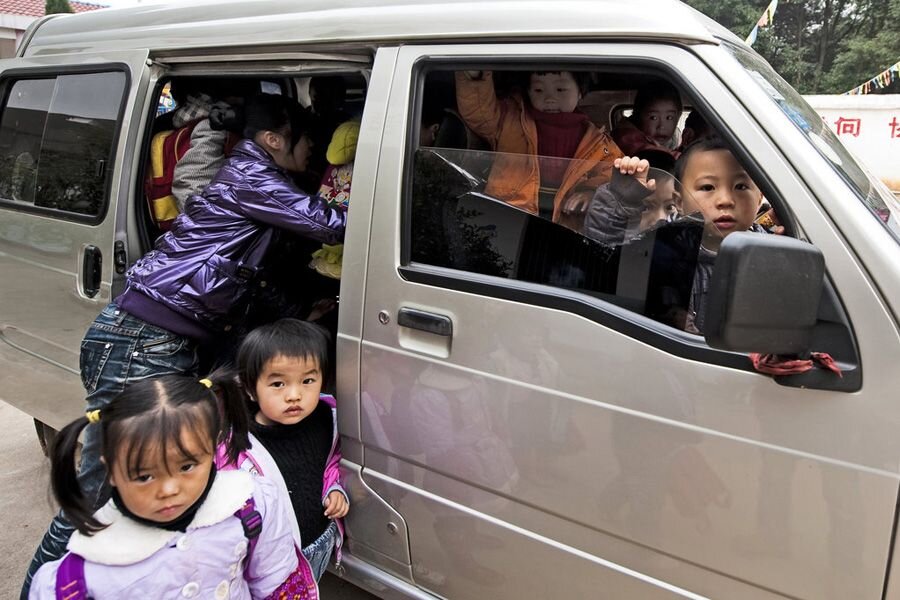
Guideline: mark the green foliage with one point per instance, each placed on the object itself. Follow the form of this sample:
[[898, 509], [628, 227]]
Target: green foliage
[[445, 234], [57, 6], [819, 46]]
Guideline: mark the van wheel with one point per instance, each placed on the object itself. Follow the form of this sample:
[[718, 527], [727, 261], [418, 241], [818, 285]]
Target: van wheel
[[46, 435]]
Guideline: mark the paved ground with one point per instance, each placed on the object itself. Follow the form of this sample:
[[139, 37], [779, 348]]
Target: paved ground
[[26, 509]]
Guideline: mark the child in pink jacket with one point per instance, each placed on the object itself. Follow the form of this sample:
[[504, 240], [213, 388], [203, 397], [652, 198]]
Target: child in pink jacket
[[175, 526], [294, 439]]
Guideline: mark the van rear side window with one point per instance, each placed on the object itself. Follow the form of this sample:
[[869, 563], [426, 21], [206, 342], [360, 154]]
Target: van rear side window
[[57, 137]]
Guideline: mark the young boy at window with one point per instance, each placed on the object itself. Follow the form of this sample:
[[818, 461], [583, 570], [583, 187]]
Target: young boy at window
[[713, 184], [537, 137], [716, 185]]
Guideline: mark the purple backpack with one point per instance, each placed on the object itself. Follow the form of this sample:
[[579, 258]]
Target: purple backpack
[[70, 583]]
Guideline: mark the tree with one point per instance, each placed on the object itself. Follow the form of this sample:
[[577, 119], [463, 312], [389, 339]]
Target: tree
[[862, 56], [52, 7], [819, 46]]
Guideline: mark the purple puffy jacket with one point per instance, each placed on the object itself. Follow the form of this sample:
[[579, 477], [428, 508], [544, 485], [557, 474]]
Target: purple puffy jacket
[[202, 267]]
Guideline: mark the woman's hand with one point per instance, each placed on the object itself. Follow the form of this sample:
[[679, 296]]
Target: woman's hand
[[336, 505]]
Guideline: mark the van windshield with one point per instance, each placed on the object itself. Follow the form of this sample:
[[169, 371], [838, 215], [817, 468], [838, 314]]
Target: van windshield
[[870, 191]]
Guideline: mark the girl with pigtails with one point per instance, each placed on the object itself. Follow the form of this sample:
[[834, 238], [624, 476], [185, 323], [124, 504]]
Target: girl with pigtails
[[174, 525]]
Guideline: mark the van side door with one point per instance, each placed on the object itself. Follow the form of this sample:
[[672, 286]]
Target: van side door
[[541, 439], [66, 158]]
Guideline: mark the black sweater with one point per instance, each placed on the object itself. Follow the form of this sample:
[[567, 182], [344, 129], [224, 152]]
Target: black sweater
[[301, 453]]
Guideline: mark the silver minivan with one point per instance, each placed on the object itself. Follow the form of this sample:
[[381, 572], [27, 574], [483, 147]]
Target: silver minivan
[[515, 421]]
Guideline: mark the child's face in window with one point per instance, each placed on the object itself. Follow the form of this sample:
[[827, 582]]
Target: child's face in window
[[662, 205], [288, 390], [658, 120], [553, 92], [718, 187], [164, 487]]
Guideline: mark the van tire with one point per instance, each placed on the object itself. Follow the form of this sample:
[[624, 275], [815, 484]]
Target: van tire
[[46, 436]]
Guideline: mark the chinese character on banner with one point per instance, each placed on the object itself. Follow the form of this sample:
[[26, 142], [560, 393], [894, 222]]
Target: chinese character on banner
[[848, 126], [895, 128]]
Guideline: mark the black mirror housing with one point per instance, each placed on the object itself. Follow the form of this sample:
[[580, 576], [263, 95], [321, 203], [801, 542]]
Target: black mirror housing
[[764, 294]]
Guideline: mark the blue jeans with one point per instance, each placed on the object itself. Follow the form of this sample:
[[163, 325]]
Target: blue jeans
[[117, 350], [319, 552]]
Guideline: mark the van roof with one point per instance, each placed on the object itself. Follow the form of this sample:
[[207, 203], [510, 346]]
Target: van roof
[[191, 24]]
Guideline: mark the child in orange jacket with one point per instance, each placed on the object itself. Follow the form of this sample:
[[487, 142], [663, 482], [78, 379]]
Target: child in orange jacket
[[551, 157]]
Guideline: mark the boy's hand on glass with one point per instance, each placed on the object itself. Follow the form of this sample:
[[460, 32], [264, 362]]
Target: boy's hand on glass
[[638, 167], [336, 505]]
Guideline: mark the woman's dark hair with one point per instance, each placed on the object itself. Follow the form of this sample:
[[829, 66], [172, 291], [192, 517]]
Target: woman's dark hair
[[707, 144], [291, 338], [657, 90], [273, 112], [151, 415]]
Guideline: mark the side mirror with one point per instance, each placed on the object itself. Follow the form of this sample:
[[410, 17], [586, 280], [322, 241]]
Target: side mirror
[[764, 294]]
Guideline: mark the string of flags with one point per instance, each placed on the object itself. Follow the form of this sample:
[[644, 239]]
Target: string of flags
[[880, 81], [764, 21]]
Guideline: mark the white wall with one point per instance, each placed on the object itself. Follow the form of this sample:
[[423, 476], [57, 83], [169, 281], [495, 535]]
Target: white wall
[[869, 127]]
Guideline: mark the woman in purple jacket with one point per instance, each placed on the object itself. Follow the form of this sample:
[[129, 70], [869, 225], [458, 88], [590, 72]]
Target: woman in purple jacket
[[192, 287]]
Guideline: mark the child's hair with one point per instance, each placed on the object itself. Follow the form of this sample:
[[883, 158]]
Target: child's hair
[[581, 78], [658, 159], [291, 338], [695, 128], [274, 112], [703, 145], [151, 415], [657, 90]]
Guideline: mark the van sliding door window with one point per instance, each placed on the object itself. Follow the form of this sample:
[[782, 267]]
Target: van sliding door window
[[57, 137]]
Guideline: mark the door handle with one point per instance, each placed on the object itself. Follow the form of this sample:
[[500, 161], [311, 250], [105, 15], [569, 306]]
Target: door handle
[[91, 269], [425, 321]]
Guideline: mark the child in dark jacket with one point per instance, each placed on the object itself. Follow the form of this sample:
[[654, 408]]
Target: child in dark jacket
[[192, 288], [631, 202]]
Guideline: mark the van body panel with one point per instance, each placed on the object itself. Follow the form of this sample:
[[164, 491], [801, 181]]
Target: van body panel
[[345, 22], [489, 518], [356, 243], [46, 311], [462, 539], [380, 537], [800, 501]]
